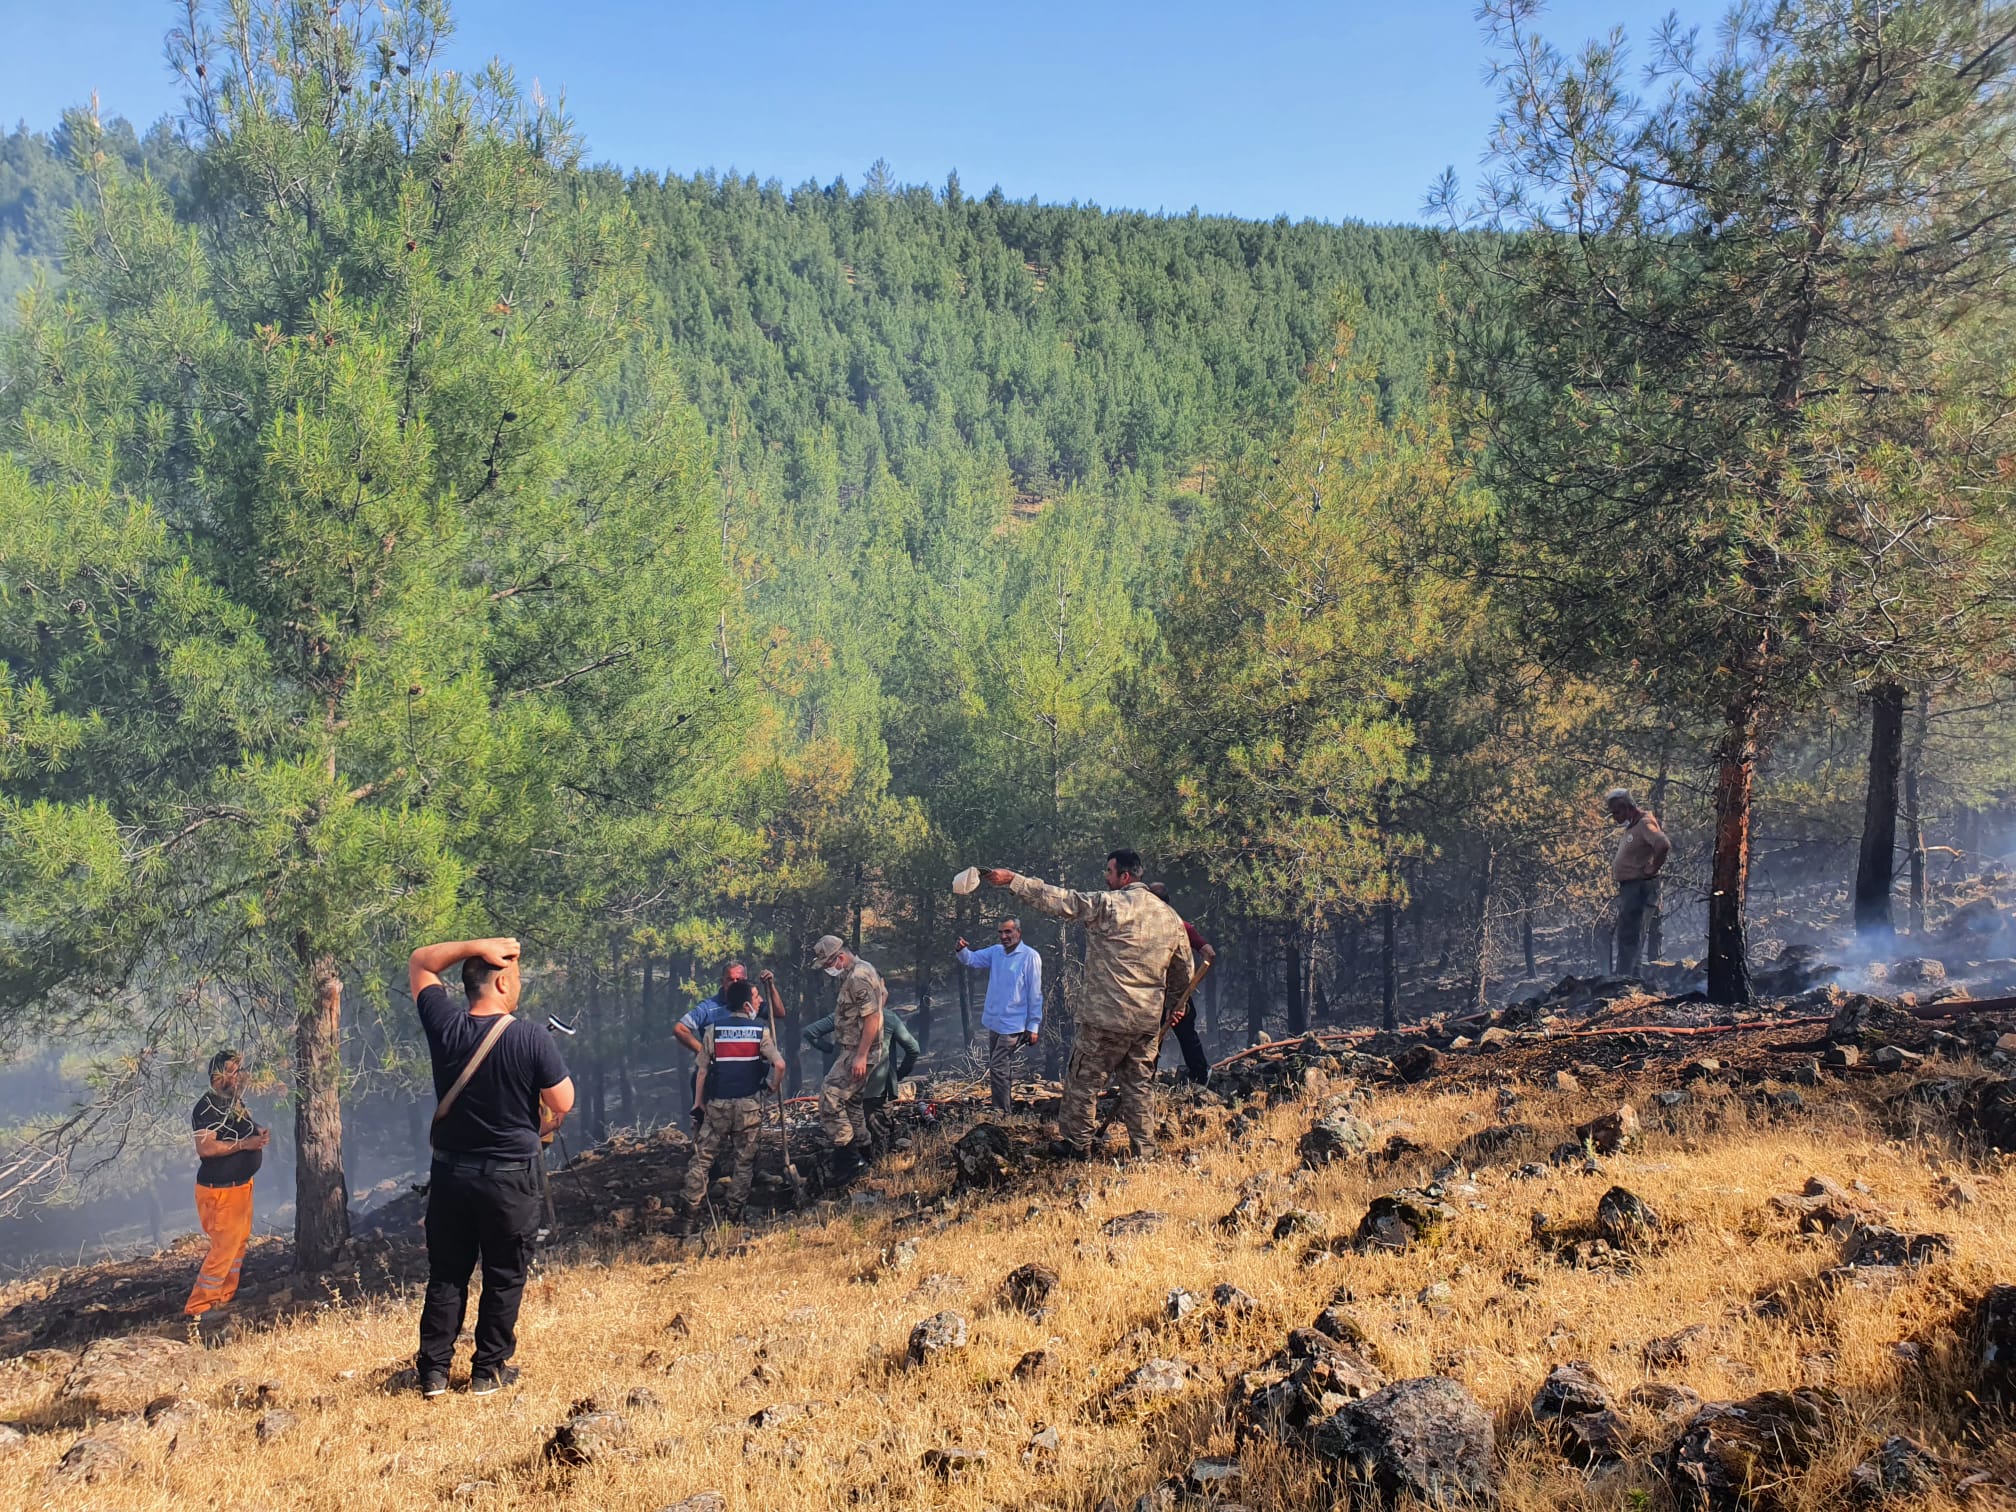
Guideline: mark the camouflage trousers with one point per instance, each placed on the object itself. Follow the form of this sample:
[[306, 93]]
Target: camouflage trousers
[[734, 1122], [841, 1112], [1127, 1057]]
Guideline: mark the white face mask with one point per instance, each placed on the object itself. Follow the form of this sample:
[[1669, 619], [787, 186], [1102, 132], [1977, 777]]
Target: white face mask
[[831, 970]]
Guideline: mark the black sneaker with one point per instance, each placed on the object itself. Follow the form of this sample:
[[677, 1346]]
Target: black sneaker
[[433, 1383], [487, 1382], [1063, 1149]]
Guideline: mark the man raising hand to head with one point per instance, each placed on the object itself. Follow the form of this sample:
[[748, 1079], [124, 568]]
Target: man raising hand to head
[[500, 1083]]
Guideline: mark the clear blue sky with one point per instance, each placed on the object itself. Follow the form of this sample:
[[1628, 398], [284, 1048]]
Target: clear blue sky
[[1346, 109]]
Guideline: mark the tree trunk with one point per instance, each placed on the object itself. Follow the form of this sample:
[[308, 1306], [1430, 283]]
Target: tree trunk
[[626, 1037], [321, 1193], [1655, 921], [1526, 929], [1291, 978], [965, 982], [647, 1003], [1914, 815], [925, 920], [1876, 866], [1256, 988], [1484, 882], [1729, 872], [1389, 966]]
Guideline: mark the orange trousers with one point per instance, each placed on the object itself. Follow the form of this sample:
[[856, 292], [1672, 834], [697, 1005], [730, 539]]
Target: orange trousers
[[226, 1216]]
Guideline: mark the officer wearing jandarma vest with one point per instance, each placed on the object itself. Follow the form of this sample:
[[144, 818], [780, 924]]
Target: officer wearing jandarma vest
[[736, 1053]]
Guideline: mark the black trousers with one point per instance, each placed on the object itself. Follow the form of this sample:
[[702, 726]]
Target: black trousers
[[1194, 1059], [476, 1210]]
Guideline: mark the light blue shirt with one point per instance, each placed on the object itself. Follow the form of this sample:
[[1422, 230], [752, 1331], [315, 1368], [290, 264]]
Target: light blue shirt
[[1014, 987]]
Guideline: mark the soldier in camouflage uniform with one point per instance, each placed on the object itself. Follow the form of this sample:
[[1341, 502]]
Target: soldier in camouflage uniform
[[858, 1050], [1136, 955]]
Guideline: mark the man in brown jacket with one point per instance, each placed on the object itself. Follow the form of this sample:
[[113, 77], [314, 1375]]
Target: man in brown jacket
[[1136, 953], [857, 1046], [1642, 849]]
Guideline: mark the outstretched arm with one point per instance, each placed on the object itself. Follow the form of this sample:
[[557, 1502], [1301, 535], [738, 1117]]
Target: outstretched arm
[[1094, 909], [425, 965]]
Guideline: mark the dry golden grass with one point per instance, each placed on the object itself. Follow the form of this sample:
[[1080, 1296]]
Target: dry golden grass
[[793, 1302]]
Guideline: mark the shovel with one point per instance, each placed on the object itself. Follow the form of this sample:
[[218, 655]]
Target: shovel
[[1182, 1007], [783, 1123]]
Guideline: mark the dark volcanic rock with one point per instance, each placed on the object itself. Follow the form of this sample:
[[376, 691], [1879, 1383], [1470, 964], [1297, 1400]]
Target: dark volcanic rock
[[1995, 1337], [1333, 1138], [1028, 1289], [981, 1154], [1417, 1062], [1610, 1133], [1867, 1022], [1311, 1378], [1424, 1438], [1569, 1391], [1873, 1244], [1402, 1220], [1902, 1467], [1594, 1438], [587, 1436], [941, 1333], [1730, 1450], [91, 1460], [1991, 1113], [1133, 1225], [1625, 1220]]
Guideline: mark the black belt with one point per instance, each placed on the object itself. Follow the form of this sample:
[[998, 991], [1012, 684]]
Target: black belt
[[476, 1165]]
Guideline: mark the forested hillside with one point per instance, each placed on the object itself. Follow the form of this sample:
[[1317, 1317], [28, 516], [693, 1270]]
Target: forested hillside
[[666, 569]]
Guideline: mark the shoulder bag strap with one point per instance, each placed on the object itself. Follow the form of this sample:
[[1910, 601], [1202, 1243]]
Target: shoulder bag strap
[[482, 1054]]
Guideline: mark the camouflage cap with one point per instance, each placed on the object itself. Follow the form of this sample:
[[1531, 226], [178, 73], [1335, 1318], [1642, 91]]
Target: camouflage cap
[[827, 947]]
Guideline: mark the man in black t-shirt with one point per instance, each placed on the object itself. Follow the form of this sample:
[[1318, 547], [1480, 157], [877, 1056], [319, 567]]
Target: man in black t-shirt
[[483, 1191], [228, 1146]]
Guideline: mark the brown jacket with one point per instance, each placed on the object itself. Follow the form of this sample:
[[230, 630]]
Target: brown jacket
[[1640, 850], [1135, 951], [861, 994]]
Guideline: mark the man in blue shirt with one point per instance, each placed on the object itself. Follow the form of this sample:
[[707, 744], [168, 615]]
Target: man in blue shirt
[[1014, 1012], [708, 1012]]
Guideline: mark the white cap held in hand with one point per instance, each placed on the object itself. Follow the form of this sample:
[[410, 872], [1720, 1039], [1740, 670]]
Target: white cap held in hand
[[966, 881]]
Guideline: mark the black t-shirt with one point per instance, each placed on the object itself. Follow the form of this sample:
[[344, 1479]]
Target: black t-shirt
[[496, 1117], [227, 1119]]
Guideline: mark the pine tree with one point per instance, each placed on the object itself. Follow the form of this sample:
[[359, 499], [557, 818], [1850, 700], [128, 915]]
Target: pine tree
[[374, 585], [1708, 311]]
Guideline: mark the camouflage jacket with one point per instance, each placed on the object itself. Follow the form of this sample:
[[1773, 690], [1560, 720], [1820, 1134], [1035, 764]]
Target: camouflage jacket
[[1136, 952], [861, 995]]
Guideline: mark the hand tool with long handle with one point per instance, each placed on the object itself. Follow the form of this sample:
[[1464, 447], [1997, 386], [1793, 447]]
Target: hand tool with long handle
[[783, 1123]]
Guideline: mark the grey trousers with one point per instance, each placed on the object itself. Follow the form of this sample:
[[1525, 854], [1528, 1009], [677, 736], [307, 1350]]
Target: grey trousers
[[1002, 1049], [1637, 906]]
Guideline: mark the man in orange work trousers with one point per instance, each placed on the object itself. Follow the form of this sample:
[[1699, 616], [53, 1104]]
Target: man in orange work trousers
[[228, 1146]]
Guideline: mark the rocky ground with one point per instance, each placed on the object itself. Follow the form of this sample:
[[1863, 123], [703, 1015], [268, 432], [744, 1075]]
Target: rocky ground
[[1603, 1247]]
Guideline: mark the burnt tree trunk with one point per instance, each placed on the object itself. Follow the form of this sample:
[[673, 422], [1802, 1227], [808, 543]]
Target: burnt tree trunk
[[1526, 928], [321, 1194], [1389, 966], [1655, 920], [1914, 814], [965, 979], [1484, 883], [1256, 987], [1291, 979], [1876, 864], [925, 921], [1729, 872]]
